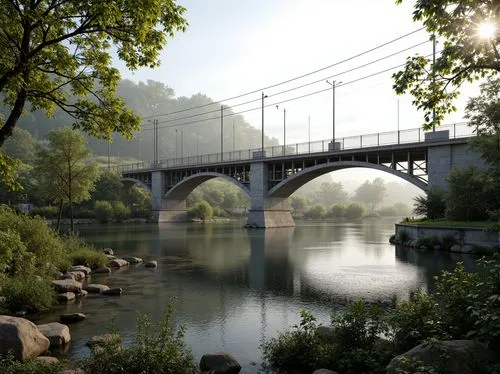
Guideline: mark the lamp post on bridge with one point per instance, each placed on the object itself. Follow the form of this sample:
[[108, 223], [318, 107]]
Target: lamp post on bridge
[[284, 129], [176, 144], [155, 139], [262, 141], [333, 84]]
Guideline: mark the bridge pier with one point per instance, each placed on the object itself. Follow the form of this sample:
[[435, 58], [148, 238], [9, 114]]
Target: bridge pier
[[266, 212]]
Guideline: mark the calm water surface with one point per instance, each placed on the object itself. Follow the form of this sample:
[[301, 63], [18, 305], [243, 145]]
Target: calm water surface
[[234, 287]]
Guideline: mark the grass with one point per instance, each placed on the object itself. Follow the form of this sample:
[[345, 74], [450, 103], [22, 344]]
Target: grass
[[448, 223]]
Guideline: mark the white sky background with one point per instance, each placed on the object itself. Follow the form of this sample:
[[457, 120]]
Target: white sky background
[[234, 46]]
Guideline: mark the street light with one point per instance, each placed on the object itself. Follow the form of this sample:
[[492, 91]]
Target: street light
[[263, 97], [333, 84], [284, 128], [176, 144], [155, 139]]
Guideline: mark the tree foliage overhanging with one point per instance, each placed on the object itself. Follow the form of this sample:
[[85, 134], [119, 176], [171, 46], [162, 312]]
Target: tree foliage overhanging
[[57, 54], [464, 55]]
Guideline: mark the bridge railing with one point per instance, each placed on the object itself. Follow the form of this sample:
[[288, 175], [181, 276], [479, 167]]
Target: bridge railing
[[457, 130]]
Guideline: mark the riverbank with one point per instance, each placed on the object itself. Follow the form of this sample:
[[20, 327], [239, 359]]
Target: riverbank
[[475, 238]]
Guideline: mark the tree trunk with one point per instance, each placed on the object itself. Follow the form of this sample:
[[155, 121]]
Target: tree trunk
[[60, 216], [16, 112], [71, 215]]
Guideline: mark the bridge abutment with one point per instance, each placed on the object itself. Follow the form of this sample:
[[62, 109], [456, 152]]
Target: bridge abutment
[[266, 212]]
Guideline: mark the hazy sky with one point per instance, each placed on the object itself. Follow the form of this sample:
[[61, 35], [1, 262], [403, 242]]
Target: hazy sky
[[233, 47]]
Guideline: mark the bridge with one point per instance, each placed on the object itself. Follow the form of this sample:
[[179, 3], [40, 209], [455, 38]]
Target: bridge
[[270, 175]]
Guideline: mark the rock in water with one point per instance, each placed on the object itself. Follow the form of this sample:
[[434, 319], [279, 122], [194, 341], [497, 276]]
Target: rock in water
[[151, 264], [57, 333], [219, 363], [118, 263], [21, 337], [103, 270], [116, 291], [66, 296], [81, 268], [97, 288], [72, 317], [453, 356], [102, 339], [133, 260], [108, 251], [67, 285]]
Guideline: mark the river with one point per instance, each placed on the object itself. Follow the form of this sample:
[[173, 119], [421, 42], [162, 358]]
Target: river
[[233, 287]]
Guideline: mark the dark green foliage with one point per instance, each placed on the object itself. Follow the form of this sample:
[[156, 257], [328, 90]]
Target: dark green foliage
[[48, 211], [156, 348], [300, 349], [448, 241], [120, 211], [336, 211], [427, 242], [103, 211], [403, 236], [354, 211], [467, 198], [8, 365], [201, 210], [432, 205], [84, 254], [317, 211], [27, 292]]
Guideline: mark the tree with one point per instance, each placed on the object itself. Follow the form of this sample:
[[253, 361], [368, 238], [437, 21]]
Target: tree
[[465, 54], [331, 193], [66, 174], [432, 205], [354, 211], [317, 211], [51, 49], [298, 203], [201, 210], [109, 186], [371, 193], [21, 145], [467, 200]]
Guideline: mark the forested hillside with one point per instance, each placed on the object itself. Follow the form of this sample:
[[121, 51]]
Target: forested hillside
[[154, 98]]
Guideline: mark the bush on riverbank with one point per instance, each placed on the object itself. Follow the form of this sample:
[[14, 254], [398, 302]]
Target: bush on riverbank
[[366, 337], [8, 365], [156, 348], [30, 256]]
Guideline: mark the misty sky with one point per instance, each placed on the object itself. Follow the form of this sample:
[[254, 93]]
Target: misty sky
[[233, 47]]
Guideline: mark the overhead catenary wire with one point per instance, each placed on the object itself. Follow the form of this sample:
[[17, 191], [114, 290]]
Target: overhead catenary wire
[[283, 101], [291, 79], [301, 86]]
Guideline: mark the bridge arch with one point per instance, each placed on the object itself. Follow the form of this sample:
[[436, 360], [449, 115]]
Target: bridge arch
[[288, 186], [181, 190]]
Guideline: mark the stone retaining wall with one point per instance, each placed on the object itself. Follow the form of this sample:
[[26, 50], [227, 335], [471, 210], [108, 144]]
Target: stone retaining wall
[[464, 236]]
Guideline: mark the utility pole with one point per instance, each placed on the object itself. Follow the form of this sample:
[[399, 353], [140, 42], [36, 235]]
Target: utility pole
[[333, 84], [157, 153], [262, 141], [182, 143], [176, 142], [221, 131], [433, 78]]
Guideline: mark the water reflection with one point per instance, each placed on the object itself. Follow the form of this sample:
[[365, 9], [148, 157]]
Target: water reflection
[[234, 287]]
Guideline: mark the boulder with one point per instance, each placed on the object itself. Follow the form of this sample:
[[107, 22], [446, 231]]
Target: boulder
[[82, 294], [66, 296], [110, 257], [454, 356], [133, 260], [96, 288], [47, 360], [102, 339], [57, 333], [77, 275], [219, 363], [103, 270], [108, 251], [67, 285], [71, 371], [72, 317], [21, 337], [118, 263], [81, 268], [151, 264], [116, 291], [467, 249], [324, 371]]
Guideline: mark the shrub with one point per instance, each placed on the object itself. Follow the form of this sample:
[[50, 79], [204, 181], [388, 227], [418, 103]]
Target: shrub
[[354, 211], [432, 205], [84, 254], [9, 365], [14, 257], [46, 211], [201, 210], [414, 320], [448, 241], [155, 349], [28, 293], [388, 211], [336, 211], [120, 211], [85, 213], [317, 211], [427, 242], [103, 211], [301, 349]]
